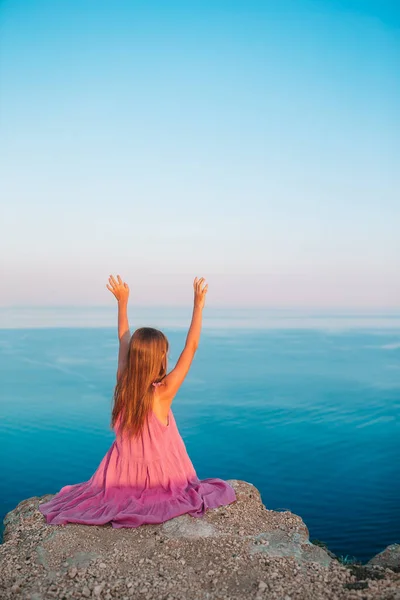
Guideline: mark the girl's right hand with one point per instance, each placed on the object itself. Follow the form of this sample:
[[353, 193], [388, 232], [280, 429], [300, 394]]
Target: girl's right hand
[[119, 288], [199, 292]]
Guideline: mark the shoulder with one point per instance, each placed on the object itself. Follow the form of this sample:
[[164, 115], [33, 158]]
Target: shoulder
[[162, 397]]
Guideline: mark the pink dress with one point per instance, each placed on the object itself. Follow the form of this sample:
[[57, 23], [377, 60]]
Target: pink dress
[[140, 480]]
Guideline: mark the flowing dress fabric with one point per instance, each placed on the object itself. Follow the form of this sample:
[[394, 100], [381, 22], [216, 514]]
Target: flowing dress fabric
[[145, 479]]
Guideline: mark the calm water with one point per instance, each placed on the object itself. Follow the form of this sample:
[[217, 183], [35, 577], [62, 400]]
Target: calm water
[[305, 408]]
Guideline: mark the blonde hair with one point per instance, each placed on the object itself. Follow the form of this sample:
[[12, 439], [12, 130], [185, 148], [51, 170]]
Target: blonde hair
[[134, 392]]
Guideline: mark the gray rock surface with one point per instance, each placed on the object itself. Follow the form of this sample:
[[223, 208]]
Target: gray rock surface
[[388, 558], [236, 552]]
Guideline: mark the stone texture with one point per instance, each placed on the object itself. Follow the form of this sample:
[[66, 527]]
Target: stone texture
[[388, 558], [237, 552]]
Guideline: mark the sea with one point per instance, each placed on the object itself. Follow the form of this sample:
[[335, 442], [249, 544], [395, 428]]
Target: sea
[[305, 405]]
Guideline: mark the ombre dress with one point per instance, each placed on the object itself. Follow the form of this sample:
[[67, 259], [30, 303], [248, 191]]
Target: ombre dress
[[145, 479]]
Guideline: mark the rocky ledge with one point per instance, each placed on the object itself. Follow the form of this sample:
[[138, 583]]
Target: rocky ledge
[[236, 552]]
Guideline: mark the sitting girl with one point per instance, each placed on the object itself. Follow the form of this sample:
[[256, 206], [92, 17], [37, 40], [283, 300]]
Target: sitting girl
[[146, 475]]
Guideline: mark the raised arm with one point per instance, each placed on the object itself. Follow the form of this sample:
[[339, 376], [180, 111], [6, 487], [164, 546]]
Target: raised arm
[[120, 290], [174, 379]]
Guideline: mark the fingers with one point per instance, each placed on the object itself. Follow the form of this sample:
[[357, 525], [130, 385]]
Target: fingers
[[197, 285], [119, 288], [115, 283], [112, 281]]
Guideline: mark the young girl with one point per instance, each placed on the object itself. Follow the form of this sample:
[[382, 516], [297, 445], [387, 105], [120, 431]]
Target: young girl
[[147, 475]]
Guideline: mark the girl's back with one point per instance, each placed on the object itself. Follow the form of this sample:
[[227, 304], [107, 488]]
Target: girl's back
[[156, 459], [146, 475]]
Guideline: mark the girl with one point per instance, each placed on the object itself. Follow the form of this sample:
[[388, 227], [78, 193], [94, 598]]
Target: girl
[[147, 475]]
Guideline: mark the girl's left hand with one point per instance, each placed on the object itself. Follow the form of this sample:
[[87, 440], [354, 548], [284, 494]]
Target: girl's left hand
[[119, 288]]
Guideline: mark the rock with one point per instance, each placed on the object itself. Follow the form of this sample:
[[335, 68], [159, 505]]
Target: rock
[[262, 586], [238, 551], [72, 572], [98, 589], [325, 547], [389, 558], [289, 543], [187, 527]]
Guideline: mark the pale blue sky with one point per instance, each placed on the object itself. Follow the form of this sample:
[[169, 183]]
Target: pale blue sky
[[256, 143]]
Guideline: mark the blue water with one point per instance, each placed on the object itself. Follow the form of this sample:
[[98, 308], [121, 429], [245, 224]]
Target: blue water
[[309, 415]]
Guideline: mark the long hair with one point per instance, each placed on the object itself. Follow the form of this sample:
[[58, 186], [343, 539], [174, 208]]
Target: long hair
[[134, 392]]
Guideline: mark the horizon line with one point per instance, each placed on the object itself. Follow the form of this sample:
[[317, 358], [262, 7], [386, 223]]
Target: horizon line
[[364, 309]]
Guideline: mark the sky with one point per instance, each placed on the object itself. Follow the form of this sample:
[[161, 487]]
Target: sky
[[255, 143]]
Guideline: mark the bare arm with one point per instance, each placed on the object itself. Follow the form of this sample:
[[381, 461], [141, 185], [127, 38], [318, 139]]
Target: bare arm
[[174, 379], [121, 292]]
